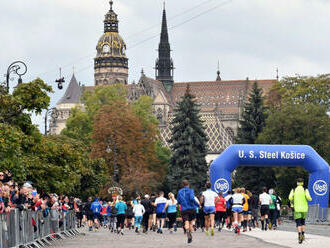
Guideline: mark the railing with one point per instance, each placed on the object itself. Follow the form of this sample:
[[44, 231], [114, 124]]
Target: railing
[[317, 215], [29, 228]]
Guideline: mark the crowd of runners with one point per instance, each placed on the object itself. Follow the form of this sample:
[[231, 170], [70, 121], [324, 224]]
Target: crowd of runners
[[209, 211]]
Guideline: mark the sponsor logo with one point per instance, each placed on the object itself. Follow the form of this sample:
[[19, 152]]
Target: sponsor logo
[[320, 187], [221, 185]]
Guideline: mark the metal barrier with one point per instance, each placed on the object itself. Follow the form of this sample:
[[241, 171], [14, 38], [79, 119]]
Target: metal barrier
[[28, 228], [317, 215]]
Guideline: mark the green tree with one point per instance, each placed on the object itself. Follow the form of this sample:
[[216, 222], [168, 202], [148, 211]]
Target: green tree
[[302, 90], [188, 144], [253, 121], [299, 124]]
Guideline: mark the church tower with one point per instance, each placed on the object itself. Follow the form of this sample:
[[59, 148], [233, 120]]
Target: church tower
[[110, 63], [164, 64]]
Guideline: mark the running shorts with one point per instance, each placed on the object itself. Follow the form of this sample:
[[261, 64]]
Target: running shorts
[[300, 222], [209, 210], [264, 210], [90, 217], [229, 212], [237, 209], [161, 215], [246, 212], [96, 216], [188, 215]]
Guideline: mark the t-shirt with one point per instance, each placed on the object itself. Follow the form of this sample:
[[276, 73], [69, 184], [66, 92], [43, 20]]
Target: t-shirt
[[246, 203], [272, 205], [160, 204], [96, 207], [220, 204], [265, 199], [209, 198], [138, 210], [171, 208], [238, 199], [121, 207]]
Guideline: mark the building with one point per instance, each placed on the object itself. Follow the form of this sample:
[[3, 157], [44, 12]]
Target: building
[[221, 101]]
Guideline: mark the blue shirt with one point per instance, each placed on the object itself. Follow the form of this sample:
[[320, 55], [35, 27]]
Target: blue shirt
[[121, 207], [186, 199], [96, 207], [160, 203]]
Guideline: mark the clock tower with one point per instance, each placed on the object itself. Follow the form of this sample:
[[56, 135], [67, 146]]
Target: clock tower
[[110, 63]]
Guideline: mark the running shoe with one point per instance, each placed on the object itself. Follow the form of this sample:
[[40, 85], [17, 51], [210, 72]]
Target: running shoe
[[300, 239], [136, 230], [212, 232], [238, 230], [160, 231], [219, 229], [175, 228], [189, 237], [207, 233], [171, 232]]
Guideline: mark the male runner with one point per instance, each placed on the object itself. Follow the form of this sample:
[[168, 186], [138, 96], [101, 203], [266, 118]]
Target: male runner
[[96, 208], [264, 201], [188, 204], [160, 211], [300, 196]]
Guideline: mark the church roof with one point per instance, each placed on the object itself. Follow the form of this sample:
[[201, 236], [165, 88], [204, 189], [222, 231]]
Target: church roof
[[72, 93], [226, 96]]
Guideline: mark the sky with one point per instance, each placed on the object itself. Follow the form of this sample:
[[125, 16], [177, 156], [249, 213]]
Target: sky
[[249, 38]]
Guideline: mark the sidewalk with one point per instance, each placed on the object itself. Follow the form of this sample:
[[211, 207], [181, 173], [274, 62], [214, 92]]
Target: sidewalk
[[289, 239]]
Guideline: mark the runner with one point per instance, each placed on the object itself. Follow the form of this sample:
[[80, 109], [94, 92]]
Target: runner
[[96, 208], [200, 214], [272, 210], [249, 210], [220, 207], [254, 204], [121, 208], [89, 214], [153, 219], [148, 212], [138, 211], [171, 212], [129, 222], [245, 209], [113, 217], [188, 204], [237, 207], [265, 200], [209, 197], [229, 211], [299, 196], [160, 211]]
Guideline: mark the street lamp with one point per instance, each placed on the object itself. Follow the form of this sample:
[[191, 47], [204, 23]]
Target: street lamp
[[19, 68], [53, 112], [115, 164]]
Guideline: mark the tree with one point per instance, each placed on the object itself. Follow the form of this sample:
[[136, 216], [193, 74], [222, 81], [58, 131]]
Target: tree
[[302, 90], [119, 138], [252, 123], [299, 124], [188, 145]]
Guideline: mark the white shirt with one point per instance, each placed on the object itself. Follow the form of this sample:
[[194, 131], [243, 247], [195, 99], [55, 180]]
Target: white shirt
[[209, 197], [138, 210], [238, 200], [265, 199]]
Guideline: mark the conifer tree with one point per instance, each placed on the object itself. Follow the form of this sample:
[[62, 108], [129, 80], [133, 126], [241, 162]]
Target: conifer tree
[[188, 144], [252, 123]]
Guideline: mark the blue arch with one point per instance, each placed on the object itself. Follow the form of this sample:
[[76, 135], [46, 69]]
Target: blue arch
[[270, 156]]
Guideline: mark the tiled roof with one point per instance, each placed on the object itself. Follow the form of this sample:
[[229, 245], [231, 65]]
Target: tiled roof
[[223, 95], [72, 93]]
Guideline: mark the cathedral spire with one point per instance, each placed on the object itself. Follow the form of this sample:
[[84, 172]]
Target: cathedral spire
[[164, 64]]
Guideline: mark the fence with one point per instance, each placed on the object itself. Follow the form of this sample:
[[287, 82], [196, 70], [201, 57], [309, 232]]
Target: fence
[[317, 215], [29, 228]]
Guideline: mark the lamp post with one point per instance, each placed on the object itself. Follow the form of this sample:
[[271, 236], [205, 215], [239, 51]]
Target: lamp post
[[19, 68], [115, 164], [53, 112]]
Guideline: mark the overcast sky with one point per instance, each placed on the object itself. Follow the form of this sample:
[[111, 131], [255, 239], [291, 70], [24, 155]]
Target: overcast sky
[[249, 37]]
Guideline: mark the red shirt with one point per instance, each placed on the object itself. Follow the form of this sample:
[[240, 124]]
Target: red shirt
[[220, 204]]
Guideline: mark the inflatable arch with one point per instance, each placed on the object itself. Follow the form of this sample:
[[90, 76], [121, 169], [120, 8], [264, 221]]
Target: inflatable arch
[[271, 156]]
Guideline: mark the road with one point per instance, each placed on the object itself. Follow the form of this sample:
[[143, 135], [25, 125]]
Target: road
[[104, 238]]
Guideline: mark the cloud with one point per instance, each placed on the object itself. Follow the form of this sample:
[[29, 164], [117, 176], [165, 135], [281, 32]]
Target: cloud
[[249, 37]]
